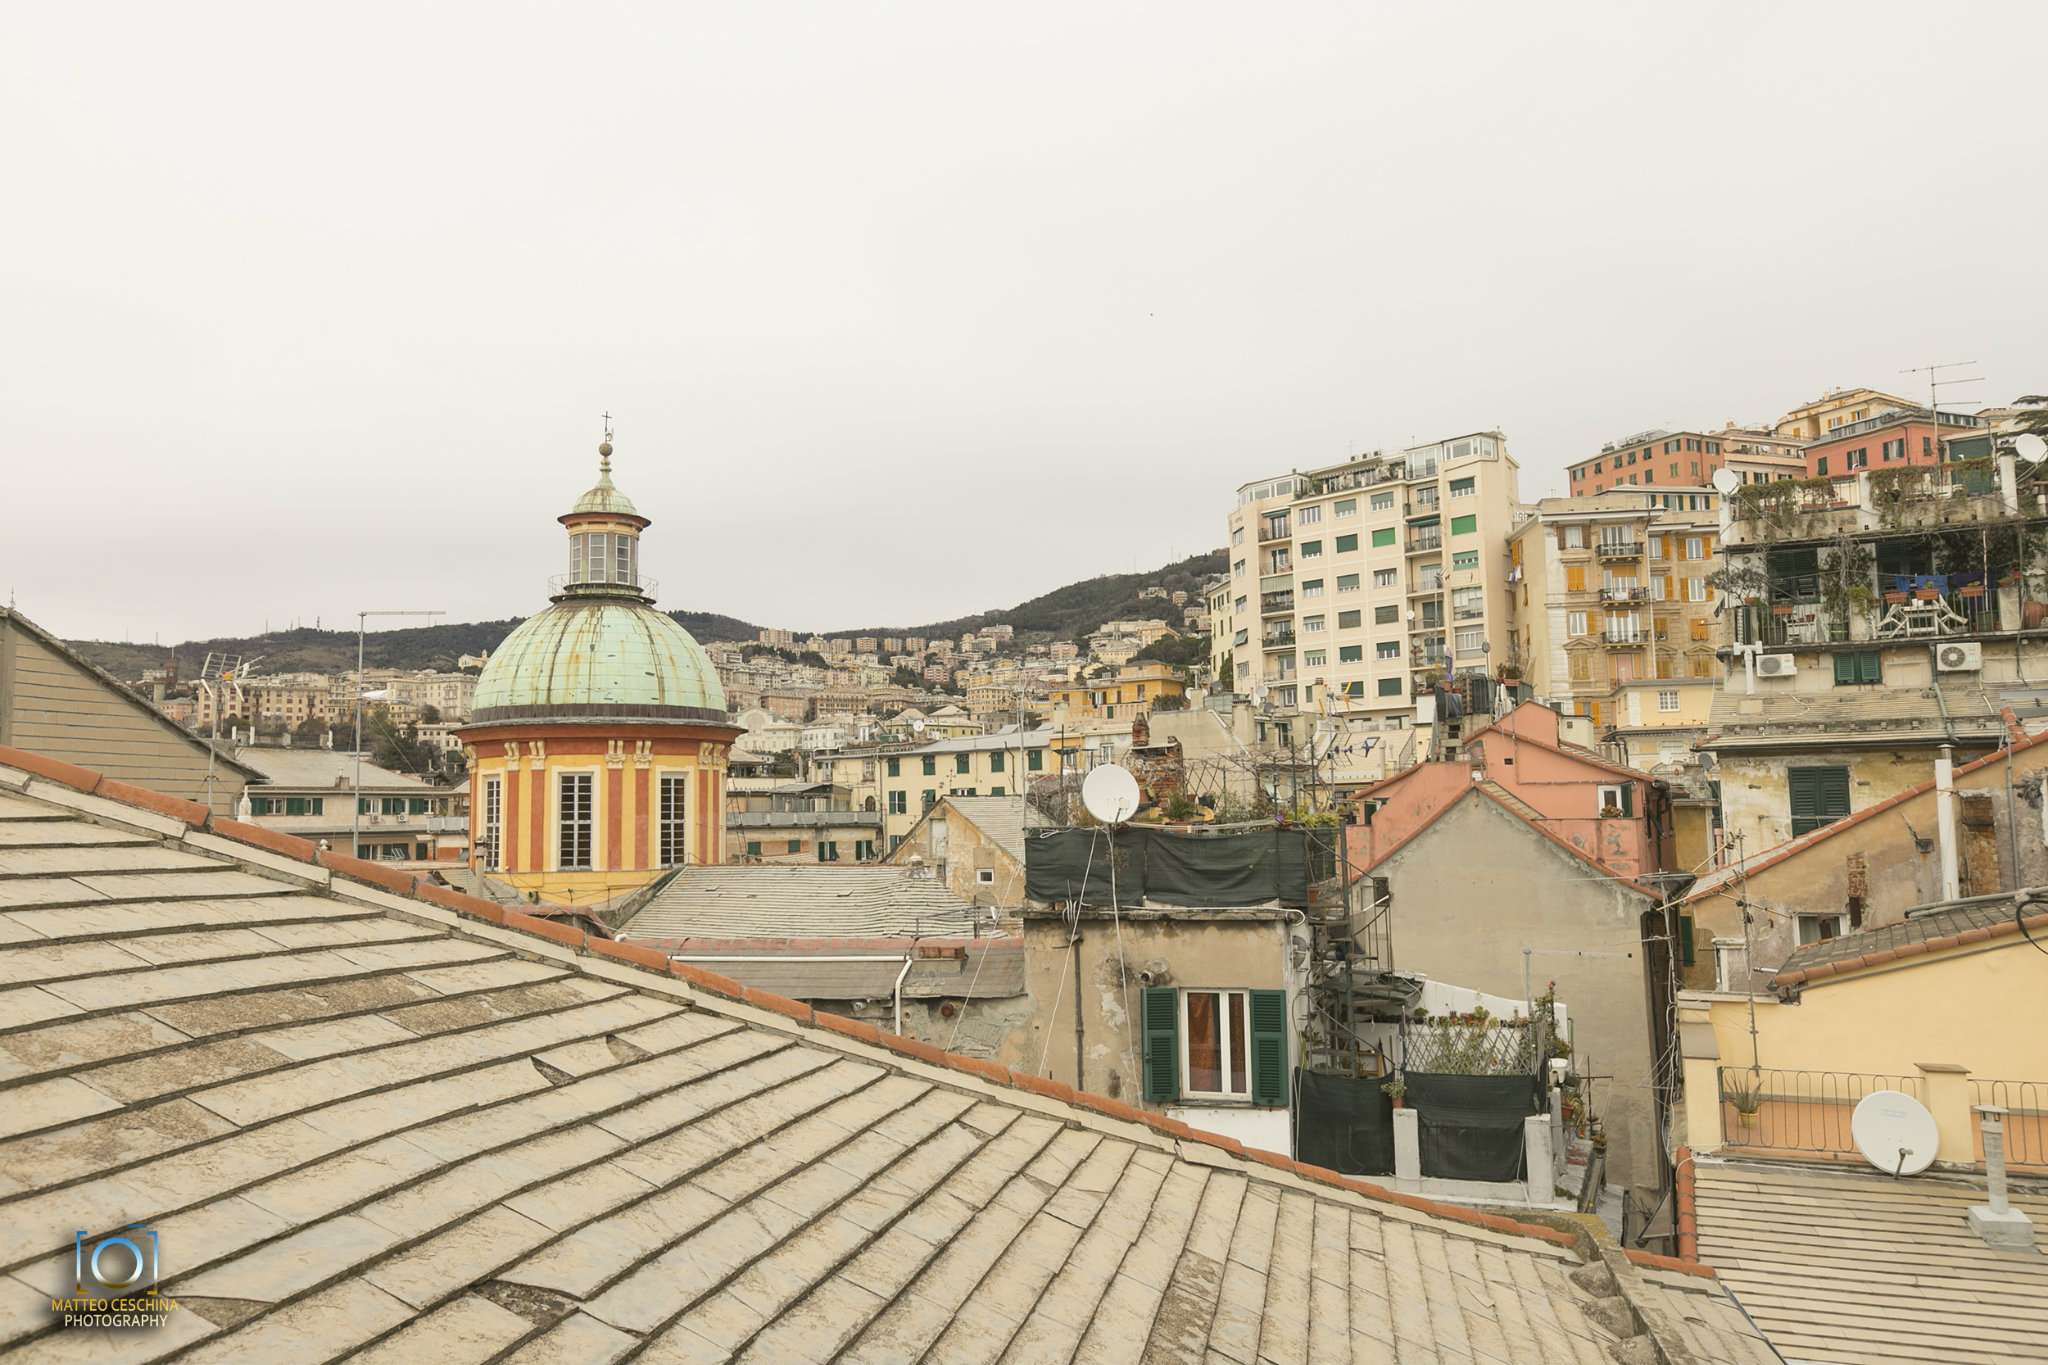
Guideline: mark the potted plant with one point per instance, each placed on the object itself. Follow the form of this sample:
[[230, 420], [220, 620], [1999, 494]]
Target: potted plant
[[1396, 1090], [1971, 590], [1747, 1098]]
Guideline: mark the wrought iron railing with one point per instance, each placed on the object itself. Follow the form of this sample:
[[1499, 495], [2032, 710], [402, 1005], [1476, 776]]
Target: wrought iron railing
[[1416, 544], [1797, 1111], [2026, 1117]]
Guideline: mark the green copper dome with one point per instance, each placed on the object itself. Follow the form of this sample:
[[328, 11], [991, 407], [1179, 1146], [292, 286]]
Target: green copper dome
[[596, 660]]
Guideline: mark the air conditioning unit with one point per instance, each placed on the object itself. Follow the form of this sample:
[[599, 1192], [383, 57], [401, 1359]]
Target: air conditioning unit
[[1776, 665], [1967, 657]]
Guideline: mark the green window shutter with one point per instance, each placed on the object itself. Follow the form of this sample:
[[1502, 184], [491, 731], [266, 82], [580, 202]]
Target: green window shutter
[[319, 805], [1162, 1044], [1845, 669], [1345, 544], [895, 767], [1269, 1047], [1628, 798], [1383, 537], [1819, 796], [1872, 669], [1464, 526], [1037, 762]]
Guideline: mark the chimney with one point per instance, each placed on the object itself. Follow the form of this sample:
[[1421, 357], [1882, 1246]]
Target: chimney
[[2003, 1227], [1945, 823]]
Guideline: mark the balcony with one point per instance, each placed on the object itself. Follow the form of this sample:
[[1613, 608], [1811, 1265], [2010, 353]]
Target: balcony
[[1619, 549], [1278, 561], [1619, 594], [1276, 604], [1427, 587], [1272, 529], [1622, 640], [1469, 614], [1423, 506], [1278, 637], [1425, 541]]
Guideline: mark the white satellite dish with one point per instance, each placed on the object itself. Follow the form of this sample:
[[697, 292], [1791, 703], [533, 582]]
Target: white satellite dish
[[1894, 1132], [917, 726], [1111, 794], [2029, 447], [1726, 481]]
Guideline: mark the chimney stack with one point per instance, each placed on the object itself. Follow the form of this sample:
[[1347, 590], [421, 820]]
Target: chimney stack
[[2003, 1227]]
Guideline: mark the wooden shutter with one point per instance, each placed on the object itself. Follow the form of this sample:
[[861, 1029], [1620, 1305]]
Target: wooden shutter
[[1820, 796], [1162, 1044], [1628, 798], [1269, 1047], [1574, 578]]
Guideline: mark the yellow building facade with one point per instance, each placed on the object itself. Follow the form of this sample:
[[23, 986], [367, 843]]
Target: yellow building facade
[[1134, 691]]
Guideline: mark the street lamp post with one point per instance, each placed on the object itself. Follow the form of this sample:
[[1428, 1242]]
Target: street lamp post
[[355, 818]]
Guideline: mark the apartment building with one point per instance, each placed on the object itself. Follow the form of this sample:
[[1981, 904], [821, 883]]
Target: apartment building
[[1894, 438], [1813, 420], [1886, 625], [1117, 694], [1687, 459], [1357, 582], [1614, 590]]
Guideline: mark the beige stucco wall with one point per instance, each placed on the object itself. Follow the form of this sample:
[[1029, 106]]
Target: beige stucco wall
[[1756, 802], [951, 838], [1472, 890], [1896, 873], [1224, 949]]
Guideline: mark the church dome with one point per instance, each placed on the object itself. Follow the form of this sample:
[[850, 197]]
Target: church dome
[[596, 659], [601, 652]]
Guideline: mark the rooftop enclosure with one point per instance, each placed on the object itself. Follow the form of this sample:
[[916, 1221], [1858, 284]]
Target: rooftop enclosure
[[1132, 865], [1931, 552]]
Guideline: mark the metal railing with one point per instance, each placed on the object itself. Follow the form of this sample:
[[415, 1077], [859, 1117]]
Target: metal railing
[[1619, 549], [1278, 639], [1273, 603], [2026, 1118], [1797, 1111], [1417, 544]]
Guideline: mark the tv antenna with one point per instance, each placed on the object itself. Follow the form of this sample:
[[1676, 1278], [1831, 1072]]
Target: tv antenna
[[1935, 384], [1894, 1132]]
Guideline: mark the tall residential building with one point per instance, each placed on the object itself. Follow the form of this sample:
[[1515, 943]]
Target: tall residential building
[[1890, 438], [1836, 408], [1683, 459], [1355, 583], [1612, 591]]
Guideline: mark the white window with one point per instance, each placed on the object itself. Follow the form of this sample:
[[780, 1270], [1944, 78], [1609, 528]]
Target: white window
[[1667, 699], [1388, 649], [1816, 928], [1240, 605], [1657, 582], [1695, 589], [1308, 516], [1656, 546], [1213, 1037], [1471, 640], [599, 570], [1614, 798], [1314, 658], [1238, 568], [1695, 547], [674, 809], [1347, 507], [985, 876], [1237, 536], [1384, 578], [622, 556], [575, 821], [1382, 502], [1574, 536], [1575, 623], [1311, 623], [494, 822], [1312, 588]]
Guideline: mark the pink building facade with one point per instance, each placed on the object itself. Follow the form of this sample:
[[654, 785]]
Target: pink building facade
[[1617, 816]]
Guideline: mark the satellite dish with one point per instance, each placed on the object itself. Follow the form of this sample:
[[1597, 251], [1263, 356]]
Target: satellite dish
[[1111, 794], [917, 726], [1726, 481], [1894, 1132], [2029, 447]]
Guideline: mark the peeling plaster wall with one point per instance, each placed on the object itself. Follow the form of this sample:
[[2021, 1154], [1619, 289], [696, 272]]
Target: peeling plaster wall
[[1234, 949], [1756, 801]]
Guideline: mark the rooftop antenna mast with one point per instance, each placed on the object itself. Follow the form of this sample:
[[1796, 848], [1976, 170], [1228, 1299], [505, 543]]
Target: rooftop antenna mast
[[1935, 384]]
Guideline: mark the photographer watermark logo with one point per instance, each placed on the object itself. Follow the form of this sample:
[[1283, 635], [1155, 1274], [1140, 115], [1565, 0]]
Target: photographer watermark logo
[[114, 1281]]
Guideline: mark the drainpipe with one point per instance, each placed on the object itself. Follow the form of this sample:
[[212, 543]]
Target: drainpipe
[[908, 958], [1945, 821]]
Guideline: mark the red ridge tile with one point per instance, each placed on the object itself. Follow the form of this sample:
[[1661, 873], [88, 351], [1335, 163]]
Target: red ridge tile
[[55, 769], [290, 845]]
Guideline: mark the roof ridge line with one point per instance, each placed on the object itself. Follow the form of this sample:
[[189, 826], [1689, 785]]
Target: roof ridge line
[[87, 781]]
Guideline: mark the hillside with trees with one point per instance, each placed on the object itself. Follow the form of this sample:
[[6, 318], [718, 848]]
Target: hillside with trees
[[1064, 613]]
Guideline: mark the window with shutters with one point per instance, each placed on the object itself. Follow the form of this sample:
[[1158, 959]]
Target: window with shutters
[[1820, 796], [494, 822], [1227, 1045], [576, 819], [674, 808], [1857, 668]]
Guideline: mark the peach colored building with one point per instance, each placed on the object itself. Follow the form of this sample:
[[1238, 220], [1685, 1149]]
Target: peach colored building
[[1889, 440], [1616, 816]]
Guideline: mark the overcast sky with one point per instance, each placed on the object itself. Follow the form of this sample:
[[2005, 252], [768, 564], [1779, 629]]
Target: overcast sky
[[905, 311]]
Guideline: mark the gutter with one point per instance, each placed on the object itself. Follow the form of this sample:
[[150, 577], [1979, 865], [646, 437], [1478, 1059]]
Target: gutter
[[907, 959]]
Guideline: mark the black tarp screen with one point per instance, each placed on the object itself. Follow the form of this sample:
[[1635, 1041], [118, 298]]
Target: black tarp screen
[[1343, 1123], [1172, 868], [1471, 1126]]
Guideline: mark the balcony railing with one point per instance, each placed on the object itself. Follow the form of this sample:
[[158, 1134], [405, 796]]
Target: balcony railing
[[1622, 640], [1922, 615], [1418, 543], [1798, 1111], [1276, 603], [1273, 530], [1620, 549], [1618, 594], [1428, 587], [1468, 613], [1278, 639], [2026, 1118]]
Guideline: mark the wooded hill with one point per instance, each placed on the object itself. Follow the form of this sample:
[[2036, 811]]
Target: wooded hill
[[1064, 613]]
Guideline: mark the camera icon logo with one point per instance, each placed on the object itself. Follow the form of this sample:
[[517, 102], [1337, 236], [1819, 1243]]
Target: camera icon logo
[[122, 1263]]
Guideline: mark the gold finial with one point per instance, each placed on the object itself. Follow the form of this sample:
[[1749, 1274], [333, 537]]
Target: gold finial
[[604, 447]]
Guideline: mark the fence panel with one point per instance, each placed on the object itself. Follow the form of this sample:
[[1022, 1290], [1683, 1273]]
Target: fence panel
[[2026, 1118], [1798, 1111]]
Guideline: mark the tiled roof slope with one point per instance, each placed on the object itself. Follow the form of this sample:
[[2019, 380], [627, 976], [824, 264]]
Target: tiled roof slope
[[1001, 818], [389, 1129], [1856, 1267], [1931, 932], [821, 900]]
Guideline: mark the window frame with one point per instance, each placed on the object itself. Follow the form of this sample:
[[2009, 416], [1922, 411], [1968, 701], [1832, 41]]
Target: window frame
[[1223, 1038], [587, 822], [671, 828]]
